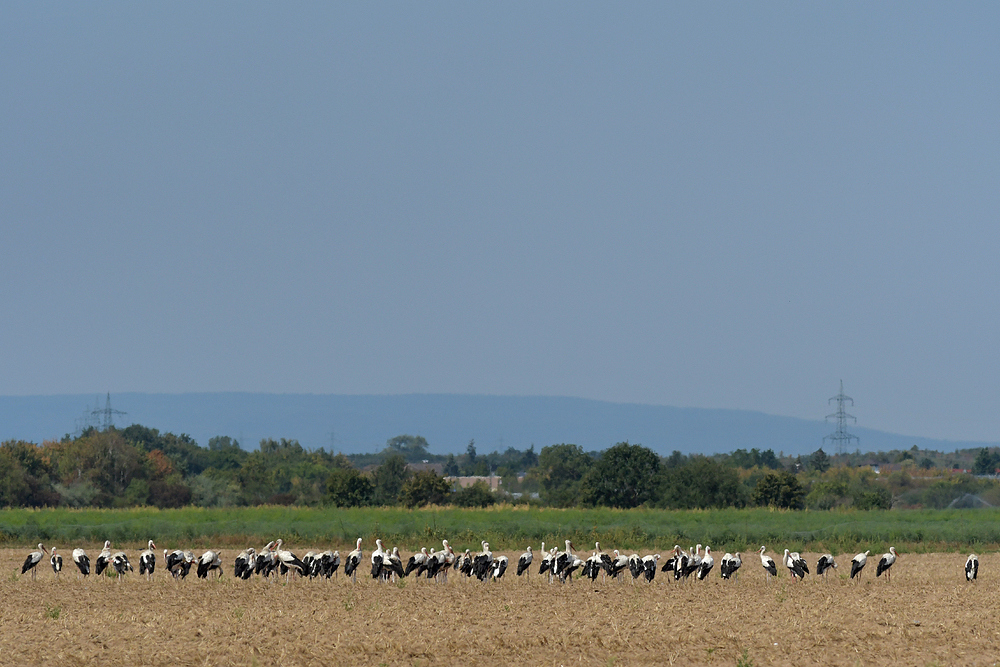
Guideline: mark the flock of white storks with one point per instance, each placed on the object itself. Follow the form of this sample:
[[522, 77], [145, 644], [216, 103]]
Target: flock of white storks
[[557, 565]]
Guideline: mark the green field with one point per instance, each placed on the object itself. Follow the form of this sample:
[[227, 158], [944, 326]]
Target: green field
[[511, 529]]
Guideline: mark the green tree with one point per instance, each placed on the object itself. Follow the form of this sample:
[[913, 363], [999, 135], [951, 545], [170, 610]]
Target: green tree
[[700, 484], [425, 488], [255, 480], [875, 499], [529, 459], [779, 489], [413, 448], [25, 476], [819, 461], [741, 458], [986, 462], [346, 487], [561, 469], [389, 479], [476, 495], [115, 464], [625, 476], [451, 466], [224, 453], [675, 460], [470, 453]]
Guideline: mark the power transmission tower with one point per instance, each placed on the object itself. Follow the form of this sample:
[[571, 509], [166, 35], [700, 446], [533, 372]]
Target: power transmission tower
[[107, 415], [841, 438]]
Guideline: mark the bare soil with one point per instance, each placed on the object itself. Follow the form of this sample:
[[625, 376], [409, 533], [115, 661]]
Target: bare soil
[[927, 614]]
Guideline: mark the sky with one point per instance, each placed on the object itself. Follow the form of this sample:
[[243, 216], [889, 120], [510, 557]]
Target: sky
[[720, 205]]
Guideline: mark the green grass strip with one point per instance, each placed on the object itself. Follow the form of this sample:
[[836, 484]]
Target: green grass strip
[[513, 528]]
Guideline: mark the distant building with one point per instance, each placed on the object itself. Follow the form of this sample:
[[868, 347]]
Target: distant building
[[436, 468], [492, 481]]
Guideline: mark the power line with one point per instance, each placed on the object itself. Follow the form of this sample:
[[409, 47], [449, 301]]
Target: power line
[[841, 438], [107, 415]]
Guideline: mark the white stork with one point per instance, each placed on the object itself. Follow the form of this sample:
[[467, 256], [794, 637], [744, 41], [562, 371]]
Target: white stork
[[147, 561], [417, 561], [243, 566], [858, 564], [55, 561], [619, 564], [548, 560], [482, 562], [524, 563], [352, 562], [210, 560], [499, 567], [768, 564], [677, 563], [824, 563], [693, 562], [120, 564], [189, 560], [33, 559], [885, 563], [573, 564], [266, 561], [174, 562], [729, 565], [635, 566], [82, 562], [971, 568], [309, 561], [448, 563], [591, 567], [178, 563], [706, 565], [680, 562], [377, 558], [649, 566], [330, 563], [563, 559], [432, 566], [288, 561], [395, 563], [605, 559], [463, 564], [103, 559], [429, 568], [438, 563], [795, 564]]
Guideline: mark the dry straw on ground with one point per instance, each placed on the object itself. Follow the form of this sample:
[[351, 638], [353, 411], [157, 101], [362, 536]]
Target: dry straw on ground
[[926, 615]]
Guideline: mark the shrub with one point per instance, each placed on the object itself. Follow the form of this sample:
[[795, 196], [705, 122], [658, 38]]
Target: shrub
[[625, 476], [477, 495], [346, 487], [425, 488], [780, 489], [876, 499]]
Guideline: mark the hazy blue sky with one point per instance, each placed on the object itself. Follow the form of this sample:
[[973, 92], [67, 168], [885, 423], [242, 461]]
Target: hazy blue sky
[[709, 204]]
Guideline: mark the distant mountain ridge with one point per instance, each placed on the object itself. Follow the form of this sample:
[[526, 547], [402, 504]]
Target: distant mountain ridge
[[363, 423]]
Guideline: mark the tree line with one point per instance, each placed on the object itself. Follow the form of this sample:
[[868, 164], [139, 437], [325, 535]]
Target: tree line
[[138, 465]]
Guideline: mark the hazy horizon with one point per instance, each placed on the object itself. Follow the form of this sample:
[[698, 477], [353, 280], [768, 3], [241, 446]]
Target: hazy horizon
[[353, 423]]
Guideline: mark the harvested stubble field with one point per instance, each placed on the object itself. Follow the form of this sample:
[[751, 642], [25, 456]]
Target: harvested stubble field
[[927, 614]]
